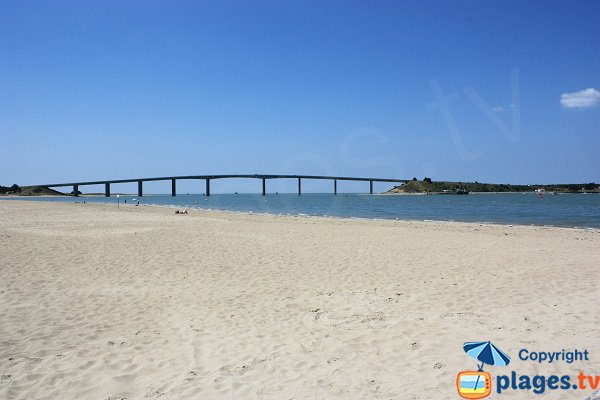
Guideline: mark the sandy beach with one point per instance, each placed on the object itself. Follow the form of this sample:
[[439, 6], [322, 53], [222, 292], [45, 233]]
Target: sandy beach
[[138, 302]]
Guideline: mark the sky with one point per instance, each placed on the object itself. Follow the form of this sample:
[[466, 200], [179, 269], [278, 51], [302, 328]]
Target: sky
[[488, 91]]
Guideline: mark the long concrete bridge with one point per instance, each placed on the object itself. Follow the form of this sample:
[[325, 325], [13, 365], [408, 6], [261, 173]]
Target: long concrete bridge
[[208, 178]]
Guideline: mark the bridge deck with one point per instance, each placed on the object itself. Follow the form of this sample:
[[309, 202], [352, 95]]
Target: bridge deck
[[255, 176], [208, 178]]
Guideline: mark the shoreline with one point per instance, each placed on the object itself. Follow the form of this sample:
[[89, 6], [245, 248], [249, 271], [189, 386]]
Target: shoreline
[[302, 215], [330, 217], [333, 217]]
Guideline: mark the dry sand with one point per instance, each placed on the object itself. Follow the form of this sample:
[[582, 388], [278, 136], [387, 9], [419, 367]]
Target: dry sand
[[100, 303]]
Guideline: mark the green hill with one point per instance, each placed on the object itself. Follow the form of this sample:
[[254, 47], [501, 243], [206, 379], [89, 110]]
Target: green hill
[[476, 187], [16, 190]]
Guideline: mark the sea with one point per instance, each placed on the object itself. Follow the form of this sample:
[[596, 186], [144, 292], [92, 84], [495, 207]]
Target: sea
[[563, 210]]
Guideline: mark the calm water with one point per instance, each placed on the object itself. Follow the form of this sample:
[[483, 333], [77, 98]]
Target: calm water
[[570, 210]]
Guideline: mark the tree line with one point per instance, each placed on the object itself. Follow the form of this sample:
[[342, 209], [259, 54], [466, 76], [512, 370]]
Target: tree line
[[12, 189]]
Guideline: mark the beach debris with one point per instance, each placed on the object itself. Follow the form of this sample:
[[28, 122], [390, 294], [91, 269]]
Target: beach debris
[[152, 393], [594, 396], [438, 365]]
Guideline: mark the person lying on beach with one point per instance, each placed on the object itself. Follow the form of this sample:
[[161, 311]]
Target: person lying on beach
[[181, 212]]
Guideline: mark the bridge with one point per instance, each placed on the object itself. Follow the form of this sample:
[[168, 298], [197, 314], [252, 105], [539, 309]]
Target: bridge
[[208, 178]]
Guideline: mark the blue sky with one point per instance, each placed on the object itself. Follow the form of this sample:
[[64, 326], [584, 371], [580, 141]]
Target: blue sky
[[461, 91]]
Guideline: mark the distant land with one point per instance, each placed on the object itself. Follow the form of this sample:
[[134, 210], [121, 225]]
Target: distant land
[[415, 186], [444, 187], [16, 190]]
